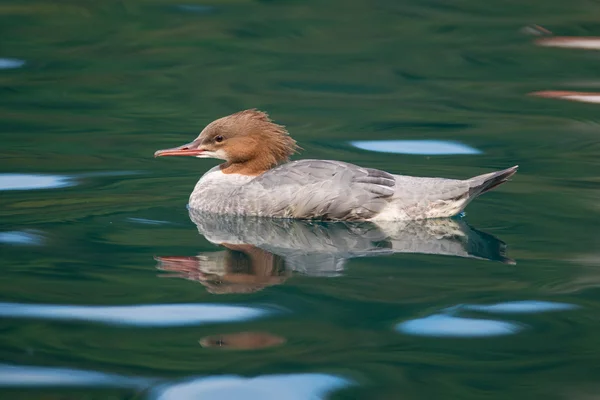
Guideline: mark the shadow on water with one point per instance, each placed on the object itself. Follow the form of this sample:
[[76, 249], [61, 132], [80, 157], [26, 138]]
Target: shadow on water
[[260, 252]]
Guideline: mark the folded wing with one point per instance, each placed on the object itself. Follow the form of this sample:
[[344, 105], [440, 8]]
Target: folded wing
[[321, 189]]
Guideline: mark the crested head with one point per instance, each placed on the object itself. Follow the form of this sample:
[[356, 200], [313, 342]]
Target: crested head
[[250, 137], [249, 141]]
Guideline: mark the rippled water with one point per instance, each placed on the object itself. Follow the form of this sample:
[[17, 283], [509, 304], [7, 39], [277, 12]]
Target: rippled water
[[419, 147], [111, 289]]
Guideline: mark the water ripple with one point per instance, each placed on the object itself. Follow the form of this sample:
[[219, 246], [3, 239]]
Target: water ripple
[[10, 63], [196, 8], [419, 147], [289, 387], [157, 315], [11, 375], [585, 97], [522, 307], [146, 221], [574, 42], [33, 181], [21, 238], [450, 326]]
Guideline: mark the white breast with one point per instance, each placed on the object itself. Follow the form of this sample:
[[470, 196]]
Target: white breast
[[214, 189], [216, 176]]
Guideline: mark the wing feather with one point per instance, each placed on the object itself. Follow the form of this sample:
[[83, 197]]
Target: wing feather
[[322, 189]]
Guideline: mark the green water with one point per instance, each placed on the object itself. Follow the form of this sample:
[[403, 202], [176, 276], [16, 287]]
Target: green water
[[105, 84]]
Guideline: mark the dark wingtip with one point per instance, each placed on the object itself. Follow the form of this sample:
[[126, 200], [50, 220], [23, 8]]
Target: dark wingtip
[[493, 180], [511, 171]]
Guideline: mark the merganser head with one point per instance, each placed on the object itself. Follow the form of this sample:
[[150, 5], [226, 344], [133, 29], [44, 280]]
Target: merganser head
[[248, 141]]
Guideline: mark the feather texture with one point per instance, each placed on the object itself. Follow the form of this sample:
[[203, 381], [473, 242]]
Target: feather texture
[[335, 190]]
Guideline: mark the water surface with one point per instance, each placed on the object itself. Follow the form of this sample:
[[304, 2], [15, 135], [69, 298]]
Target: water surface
[[110, 288]]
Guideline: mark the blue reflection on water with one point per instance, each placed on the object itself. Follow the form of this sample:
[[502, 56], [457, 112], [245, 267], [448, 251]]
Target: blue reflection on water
[[10, 181], [289, 387], [449, 326], [33, 181], [20, 238], [9, 63], [526, 306], [422, 147], [11, 375], [160, 315]]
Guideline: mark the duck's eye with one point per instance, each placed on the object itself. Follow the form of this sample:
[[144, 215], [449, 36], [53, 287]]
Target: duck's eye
[[219, 139]]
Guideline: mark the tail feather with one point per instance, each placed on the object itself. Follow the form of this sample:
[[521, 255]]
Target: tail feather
[[484, 183]]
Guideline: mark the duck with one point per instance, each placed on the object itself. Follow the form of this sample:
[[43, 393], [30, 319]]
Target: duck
[[258, 179]]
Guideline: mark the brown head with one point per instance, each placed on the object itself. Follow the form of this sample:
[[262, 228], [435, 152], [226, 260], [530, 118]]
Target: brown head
[[248, 141]]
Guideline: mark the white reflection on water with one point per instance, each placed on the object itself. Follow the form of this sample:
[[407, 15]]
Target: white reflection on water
[[157, 315], [289, 386], [526, 306], [12, 375], [20, 181], [449, 326], [585, 97], [33, 181], [421, 147], [21, 238], [10, 63], [573, 42], [276, 387]]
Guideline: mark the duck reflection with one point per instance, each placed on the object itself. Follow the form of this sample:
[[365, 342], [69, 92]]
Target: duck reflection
[[260, 252], [237, 269], [242, 341]]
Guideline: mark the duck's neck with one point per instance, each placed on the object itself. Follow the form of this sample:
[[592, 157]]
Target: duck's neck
[[254, 167]]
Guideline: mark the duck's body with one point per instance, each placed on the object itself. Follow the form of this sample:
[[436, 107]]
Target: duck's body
[[251, 182], [321, 189]]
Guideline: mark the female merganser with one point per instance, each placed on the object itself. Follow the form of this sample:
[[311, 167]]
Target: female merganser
[[257, 179]]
